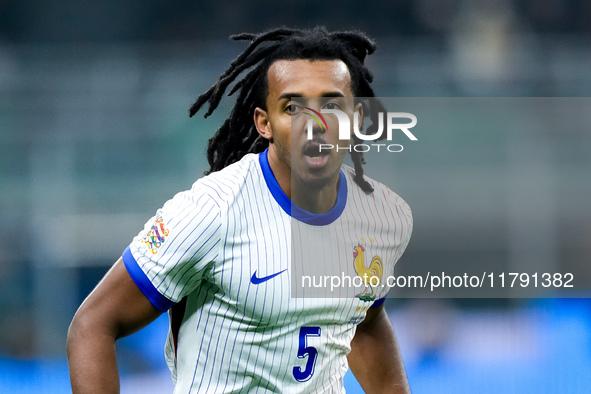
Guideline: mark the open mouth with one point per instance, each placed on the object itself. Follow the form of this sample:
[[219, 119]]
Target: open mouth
[[315, 156]]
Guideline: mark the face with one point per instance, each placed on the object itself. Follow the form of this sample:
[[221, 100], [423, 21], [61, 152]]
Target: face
[[317, 85]]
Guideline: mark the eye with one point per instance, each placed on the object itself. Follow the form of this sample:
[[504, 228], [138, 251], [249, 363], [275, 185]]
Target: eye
[[293, 109], [332, 105]]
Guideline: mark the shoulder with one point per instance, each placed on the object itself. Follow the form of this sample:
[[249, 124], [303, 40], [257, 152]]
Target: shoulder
[[381, 196], [381, 192], [224, 185], [212, 193]]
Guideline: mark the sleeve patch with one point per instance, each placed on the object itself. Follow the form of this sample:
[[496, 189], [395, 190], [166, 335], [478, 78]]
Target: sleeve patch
[[156, 236]]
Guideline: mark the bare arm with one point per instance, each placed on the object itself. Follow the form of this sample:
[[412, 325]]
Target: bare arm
[[375, 357], [116, 308]]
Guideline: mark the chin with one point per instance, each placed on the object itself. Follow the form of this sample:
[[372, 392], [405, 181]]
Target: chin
[[317, 179]]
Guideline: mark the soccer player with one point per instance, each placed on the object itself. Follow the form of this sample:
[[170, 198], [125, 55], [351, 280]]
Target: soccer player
[[218, 256]]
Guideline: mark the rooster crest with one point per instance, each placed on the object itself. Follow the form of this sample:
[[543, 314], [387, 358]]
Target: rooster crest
[[371, 276]]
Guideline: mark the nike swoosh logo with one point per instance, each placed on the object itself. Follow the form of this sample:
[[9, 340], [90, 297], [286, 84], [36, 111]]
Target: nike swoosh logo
[[256, 280]]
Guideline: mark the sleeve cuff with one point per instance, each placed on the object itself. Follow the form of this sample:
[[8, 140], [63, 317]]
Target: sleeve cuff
[[159, 301], [378, 303]]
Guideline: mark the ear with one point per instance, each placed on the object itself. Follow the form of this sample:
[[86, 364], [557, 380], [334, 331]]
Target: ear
[[359, 109], [261, 122]]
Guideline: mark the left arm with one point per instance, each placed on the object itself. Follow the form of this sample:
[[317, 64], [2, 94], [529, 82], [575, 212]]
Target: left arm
[[375, 358]]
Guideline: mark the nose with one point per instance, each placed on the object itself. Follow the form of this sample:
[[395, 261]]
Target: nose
[[313, 128]]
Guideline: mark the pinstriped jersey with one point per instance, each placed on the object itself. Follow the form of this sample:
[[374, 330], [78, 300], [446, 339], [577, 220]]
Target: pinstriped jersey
[[234, 263]]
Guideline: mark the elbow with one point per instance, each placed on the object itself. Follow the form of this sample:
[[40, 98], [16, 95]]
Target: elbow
[[86, 328], [76, 333]]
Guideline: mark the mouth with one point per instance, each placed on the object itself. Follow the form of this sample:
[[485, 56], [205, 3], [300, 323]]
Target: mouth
[[315, 156]]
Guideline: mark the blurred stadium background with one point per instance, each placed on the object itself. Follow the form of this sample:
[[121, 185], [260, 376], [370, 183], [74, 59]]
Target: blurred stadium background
[[95, 137]]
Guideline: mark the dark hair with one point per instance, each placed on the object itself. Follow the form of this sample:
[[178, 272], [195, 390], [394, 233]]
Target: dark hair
[[238, 135]]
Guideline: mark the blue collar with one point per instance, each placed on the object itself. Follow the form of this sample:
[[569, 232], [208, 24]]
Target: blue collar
[[314, 219]]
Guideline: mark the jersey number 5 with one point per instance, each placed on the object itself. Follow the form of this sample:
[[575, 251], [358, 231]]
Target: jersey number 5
[[305, 350]]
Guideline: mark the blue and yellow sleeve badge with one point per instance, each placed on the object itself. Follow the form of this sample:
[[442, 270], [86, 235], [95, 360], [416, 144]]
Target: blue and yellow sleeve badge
[[156, 236]]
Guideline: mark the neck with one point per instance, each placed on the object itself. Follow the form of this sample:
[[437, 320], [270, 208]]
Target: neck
[[318, 197], [315, 199]]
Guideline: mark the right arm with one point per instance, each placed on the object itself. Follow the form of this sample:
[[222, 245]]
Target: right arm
[[115, 308]]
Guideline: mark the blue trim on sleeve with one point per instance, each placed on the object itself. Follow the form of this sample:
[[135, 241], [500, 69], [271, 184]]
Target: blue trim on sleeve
[[314, 219], [159, 301], [378, 303]]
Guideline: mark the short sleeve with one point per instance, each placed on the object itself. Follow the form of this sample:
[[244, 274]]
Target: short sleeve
[[177, 247]]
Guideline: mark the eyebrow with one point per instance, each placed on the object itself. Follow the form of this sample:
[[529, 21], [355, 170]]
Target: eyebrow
[[327, 94]]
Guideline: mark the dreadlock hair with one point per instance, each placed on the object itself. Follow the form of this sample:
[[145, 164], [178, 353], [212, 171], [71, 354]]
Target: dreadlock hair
[[238, 135]]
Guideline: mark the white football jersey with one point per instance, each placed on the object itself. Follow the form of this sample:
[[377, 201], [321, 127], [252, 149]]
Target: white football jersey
[[236, 265]]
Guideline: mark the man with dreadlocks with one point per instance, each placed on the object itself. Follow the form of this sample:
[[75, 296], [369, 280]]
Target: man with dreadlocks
[[217, 257]]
